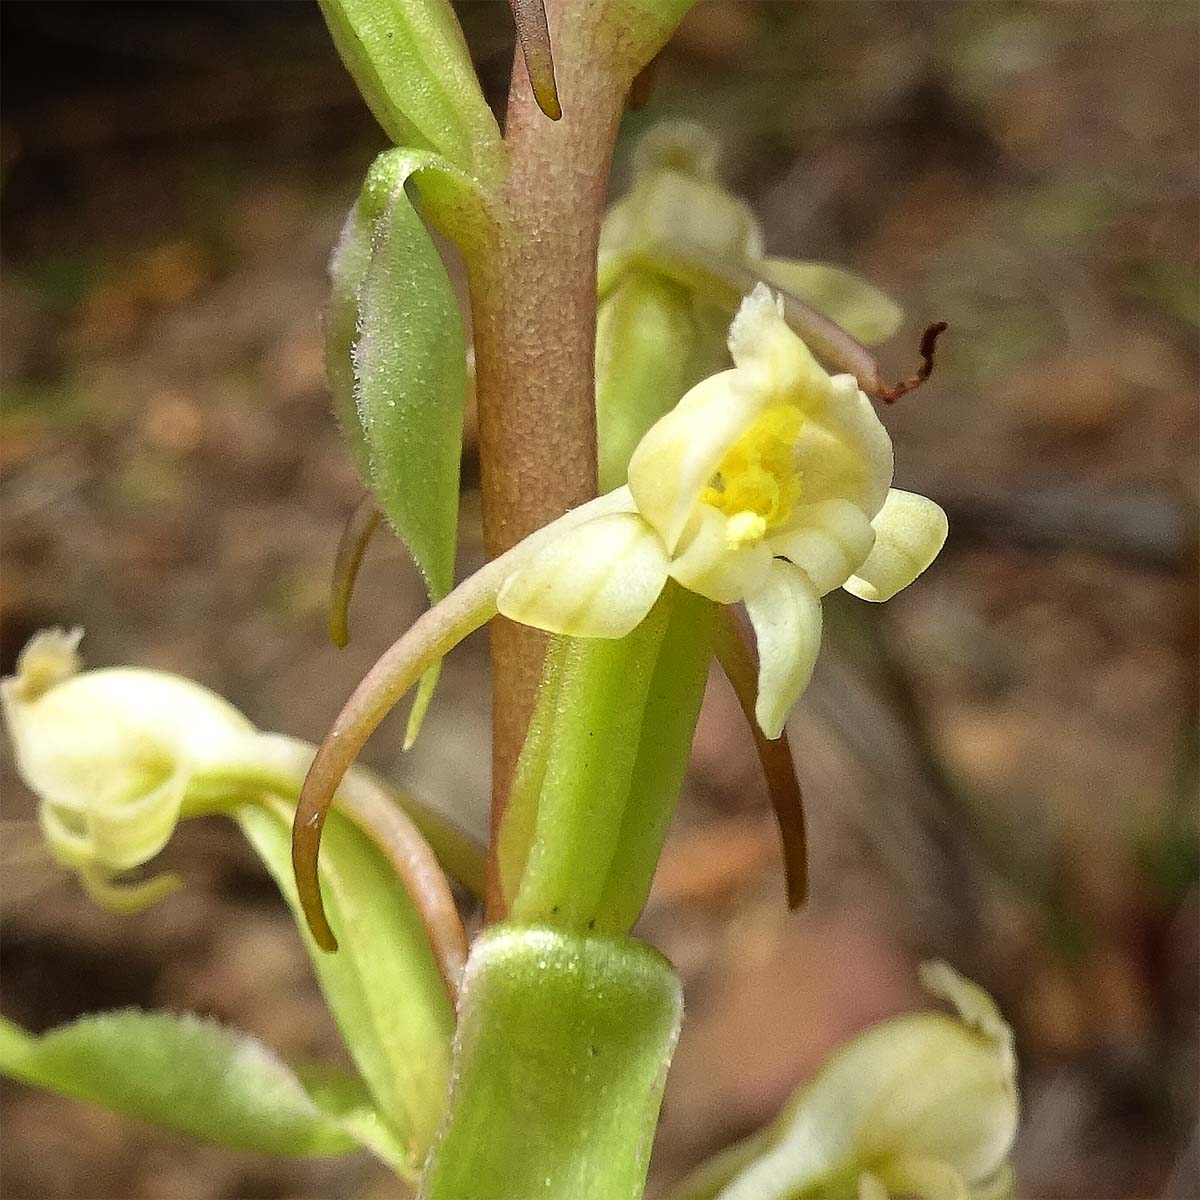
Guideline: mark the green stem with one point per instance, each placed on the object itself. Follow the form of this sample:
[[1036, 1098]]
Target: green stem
[[589, 768]]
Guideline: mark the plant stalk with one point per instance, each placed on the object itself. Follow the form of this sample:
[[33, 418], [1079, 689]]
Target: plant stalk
[[534, 311]]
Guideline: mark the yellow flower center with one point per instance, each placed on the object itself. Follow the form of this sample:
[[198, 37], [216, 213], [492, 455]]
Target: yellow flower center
[[757, 484]]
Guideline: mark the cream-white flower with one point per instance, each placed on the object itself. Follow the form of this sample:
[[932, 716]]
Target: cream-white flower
[[768, 484], [923, 1105], [110, 755]]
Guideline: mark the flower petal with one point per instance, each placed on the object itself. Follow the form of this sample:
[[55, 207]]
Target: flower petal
[[786, 614], [708, 566], [827, 541], [598, 579], [763, 346], [928, 1178], [680, 453], [909, 532], [843, 449]]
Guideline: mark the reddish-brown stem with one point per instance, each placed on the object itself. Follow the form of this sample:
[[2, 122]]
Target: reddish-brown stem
[[534, 308]]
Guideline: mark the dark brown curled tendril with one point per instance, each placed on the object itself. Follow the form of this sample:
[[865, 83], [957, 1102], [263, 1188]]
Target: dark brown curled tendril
[[352, 545], [533, 34], [737, 660], [928, 343]]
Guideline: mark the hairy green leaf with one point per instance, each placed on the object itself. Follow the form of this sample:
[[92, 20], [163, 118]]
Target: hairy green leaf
[[561, 1054], [181, 1072], [412, 66], [396, 351], [383, 984]]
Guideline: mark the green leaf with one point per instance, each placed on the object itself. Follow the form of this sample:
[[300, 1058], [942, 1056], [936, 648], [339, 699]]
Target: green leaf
[[382, 985], [396, 350], [560, 1058], [413, 68], [644, 337], [180, 1072], [860, 309]]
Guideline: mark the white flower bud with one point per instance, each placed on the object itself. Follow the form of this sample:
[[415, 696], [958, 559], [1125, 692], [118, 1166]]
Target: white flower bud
[[110, 755]]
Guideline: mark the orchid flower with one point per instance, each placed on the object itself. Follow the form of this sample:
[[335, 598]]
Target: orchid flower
[[768, 485]]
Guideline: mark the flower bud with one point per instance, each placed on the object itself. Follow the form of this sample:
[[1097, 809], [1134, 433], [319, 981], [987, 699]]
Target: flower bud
[[110, 755]]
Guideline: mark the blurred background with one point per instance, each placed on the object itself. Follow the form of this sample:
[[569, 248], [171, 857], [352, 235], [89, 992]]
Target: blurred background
[[1000, 765]]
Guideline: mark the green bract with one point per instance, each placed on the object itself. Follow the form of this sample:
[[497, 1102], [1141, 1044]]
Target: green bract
[[396, 356], [383, 984], [396, 350], [601, 770], [559, 1063], [412, 66]]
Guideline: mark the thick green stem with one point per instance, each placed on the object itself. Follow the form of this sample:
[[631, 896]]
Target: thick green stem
[[595, 730]]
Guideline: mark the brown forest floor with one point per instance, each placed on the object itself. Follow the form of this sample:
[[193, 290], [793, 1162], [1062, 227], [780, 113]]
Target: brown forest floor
[[999, 765]]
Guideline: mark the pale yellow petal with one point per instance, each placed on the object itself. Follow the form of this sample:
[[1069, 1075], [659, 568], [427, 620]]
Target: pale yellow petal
[[924, 1103], [827, 541], [598, 579], [679, 455], [708, 565], [909, 532], [870, 1187], [763, 345], [843, 449], [786, 614], [925, 1178]]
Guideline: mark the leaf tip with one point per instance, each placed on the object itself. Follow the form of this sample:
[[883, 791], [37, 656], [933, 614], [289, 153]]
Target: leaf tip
[[533, 33]]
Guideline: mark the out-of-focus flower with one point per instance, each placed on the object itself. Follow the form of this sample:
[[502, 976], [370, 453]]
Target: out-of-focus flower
[[680, 222], [919, 1106], [110, 755], [767, 484], [677, 253]]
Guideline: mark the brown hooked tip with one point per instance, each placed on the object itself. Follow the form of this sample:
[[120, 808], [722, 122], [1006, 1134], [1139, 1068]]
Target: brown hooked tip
[[737, 659], [352, 545], [929, 339], [306, 845], [534, 35]]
